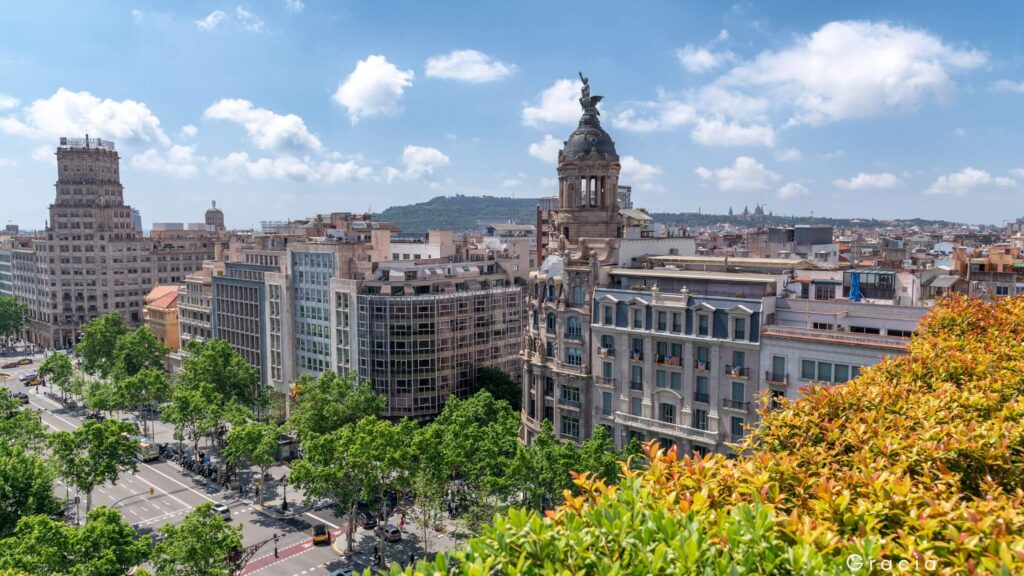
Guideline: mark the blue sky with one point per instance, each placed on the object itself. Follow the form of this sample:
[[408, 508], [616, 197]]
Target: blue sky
[[284, 108]]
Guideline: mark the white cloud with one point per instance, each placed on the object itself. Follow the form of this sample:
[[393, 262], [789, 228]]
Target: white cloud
[[188, 131], [267, 129], [344, 171], [248, 20], [468, 66], [699, 60], [719, 133], [1018, 172], [966, 180], [833, 155], [547, 149], [138, 16], [745, 174], [238, 165], [664, 114], [510, 183], [373, 88], [179, 161], [69, 113], [787, 155], [5, 162], [211, 21], [854, 69], [558, 104], [418, 161], [45, 153], [7, 102], [1008, 86], [638, 174], [719, 101], [960, 132], [791, 190], [865, 181], [294, 6]]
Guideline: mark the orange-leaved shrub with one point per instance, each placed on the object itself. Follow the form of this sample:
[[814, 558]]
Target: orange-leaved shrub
[[916, 467]]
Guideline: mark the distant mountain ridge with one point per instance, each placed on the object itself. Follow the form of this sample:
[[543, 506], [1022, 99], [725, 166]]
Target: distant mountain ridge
[[461, 213]]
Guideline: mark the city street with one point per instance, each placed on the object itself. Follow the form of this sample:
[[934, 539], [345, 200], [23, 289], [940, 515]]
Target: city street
[[175, 492]]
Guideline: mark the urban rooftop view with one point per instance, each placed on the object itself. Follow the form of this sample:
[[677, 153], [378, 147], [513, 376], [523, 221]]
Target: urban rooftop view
[[586, 288]]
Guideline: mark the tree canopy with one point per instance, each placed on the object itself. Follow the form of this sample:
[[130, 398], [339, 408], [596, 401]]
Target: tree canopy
[[919, 459], [138, 350], [57, 368], [500, 385], [94, 453], [327, 403], [12, 316], [200, 546], [217, 364], [26, 487], [99, 340]]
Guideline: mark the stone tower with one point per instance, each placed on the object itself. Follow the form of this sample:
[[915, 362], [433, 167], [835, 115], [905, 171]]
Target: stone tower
[[215, 218], [588, 180]]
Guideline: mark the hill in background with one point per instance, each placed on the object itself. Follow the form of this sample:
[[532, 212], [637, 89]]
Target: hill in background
[[461, 213]]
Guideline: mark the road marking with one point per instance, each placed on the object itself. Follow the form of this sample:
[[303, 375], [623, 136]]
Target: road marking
[[162, 491], [132, 512], [319, 519], [162, 516], [179, 484], [102, 491]]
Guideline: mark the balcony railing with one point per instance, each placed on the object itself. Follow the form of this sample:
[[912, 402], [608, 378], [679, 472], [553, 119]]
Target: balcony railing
[[668, 360], [636, 356], [737, 371], [701, 365], [606, 352], [568, 402], [775, 378], [735, 404], [573, 336], [602, 381], [633, 385], [674, 429], [701, 397]]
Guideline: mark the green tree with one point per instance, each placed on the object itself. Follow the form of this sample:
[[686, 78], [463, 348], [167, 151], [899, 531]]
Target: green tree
[[195, 411], [12, 316], [20, 428], [58, 371], [26, 487], [540, 471], [105, 546], [100, 394], [202, 545], [137, 351], [428, 511], [218, 365], [329, 402], [255, 443], [500, 385], [142, 390], [93, 454], [597, 455], [99, 341]]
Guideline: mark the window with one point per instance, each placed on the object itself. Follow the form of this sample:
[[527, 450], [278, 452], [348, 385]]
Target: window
[[638, 318], [703, 355], [570, 427], [677, 322], [660, 379], [739, 329], [807, 369], [702, 325], [636, 381], [700, 419], [778, 369], [636, 406], [573, 327], [607, 342], [571, 393], [738, 359], [550, 348], [606, 403], [864, 330], [638, 349], [823, 326], [736, 427], [900, 333], [667, 413], [825, 371], [608, 318], [576, 296], [1002, 290], [549, 386], [606, 370], [699, 450], [662, 321], [551, 322], [677, 380], [737, 391], [573, 356], [700, 393], [824, 292], [842, 373]]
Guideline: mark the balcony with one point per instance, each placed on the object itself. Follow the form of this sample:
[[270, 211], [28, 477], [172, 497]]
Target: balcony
[[701, 365], [673, 429], [668, 360], [773, 378], [737, 371], [606, 352], [569, 403], [602, 381], [736, 438], [633, 385], [701, 397], [636, 356], [735, 404], [578, 336]]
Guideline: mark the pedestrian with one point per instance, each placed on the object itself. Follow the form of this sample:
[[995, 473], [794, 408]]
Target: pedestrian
[[401, 522], [412, 558]]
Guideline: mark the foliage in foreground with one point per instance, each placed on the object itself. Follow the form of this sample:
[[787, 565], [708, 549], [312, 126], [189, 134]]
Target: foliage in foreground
[[919, 460]]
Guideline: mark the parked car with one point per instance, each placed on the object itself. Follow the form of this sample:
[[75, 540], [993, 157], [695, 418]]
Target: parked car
[[222, 509], [366, 520], [391, 532], [35, 382], [321, 535], [19, 397], [10, 365], [27, 377], [25, 361], [95, 416], [344, 572]]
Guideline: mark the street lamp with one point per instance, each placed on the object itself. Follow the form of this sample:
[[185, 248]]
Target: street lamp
[[284, 486]]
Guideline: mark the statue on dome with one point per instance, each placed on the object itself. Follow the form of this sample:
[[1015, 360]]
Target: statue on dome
[[588, 102]]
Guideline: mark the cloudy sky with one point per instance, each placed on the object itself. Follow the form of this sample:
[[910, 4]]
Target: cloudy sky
[[284, 108]]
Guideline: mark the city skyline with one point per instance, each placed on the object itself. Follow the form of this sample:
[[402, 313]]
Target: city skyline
[[875, 112]]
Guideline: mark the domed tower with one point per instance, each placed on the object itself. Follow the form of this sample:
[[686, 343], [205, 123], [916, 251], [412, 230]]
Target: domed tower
[[215, 218], [588, 180]]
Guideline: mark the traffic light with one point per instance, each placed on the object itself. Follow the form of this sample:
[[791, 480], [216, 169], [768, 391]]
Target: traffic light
[[152, 491]]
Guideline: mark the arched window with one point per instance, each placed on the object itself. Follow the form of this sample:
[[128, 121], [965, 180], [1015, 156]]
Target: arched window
[[573, 326], [551, 291], [577, 295], [551, 323]]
